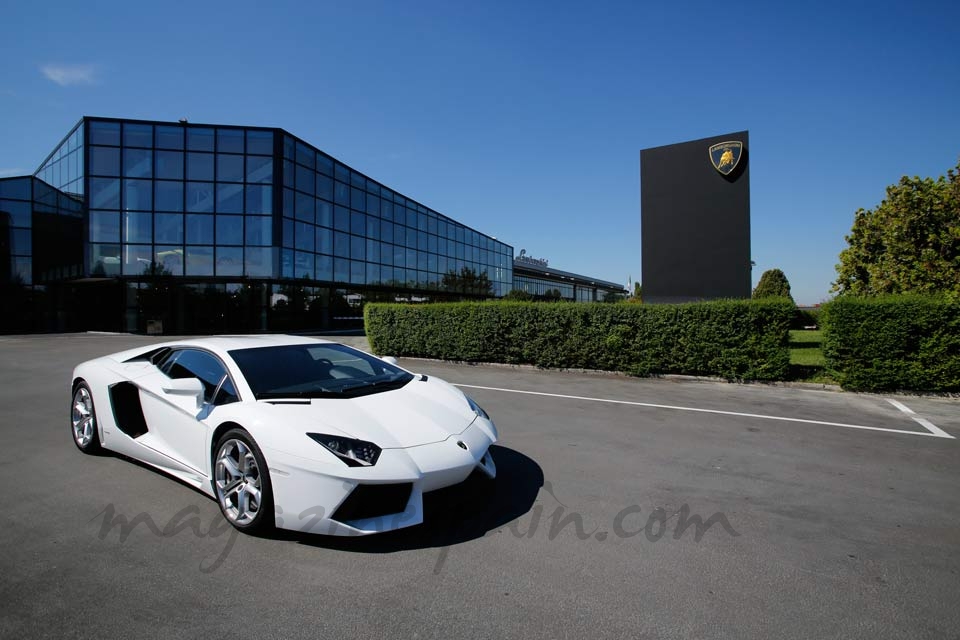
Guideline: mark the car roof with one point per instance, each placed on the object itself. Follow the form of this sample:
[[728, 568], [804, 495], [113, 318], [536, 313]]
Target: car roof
[[230, 342], [223, 344]]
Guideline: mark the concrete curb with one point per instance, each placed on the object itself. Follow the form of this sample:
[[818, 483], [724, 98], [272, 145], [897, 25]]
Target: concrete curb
[[619, 374]]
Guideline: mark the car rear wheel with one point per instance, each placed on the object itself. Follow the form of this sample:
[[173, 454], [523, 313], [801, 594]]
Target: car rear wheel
[[242, 482], [83, 420]]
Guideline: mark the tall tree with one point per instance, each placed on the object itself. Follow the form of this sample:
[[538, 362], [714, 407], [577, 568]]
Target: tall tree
[[909, 244], [773, 284]]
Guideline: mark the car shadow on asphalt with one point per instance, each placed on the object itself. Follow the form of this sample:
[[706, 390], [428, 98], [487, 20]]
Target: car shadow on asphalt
[[454, 515]]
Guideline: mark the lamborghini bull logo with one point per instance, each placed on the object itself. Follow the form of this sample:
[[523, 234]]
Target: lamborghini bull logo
[[725, 156], [726, 159]]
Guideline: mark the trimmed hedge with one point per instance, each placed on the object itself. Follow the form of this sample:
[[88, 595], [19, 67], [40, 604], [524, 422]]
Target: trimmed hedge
[[735, 339], [909, 343]]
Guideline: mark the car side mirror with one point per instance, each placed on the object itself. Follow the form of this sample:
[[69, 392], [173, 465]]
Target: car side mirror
[[389, 360], [185, 387]]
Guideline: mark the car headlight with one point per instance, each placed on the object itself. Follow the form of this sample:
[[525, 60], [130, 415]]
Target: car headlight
[[354, 453], [477, 409]]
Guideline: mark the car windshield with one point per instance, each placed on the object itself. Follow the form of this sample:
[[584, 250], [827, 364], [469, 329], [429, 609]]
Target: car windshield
[[316, 371]]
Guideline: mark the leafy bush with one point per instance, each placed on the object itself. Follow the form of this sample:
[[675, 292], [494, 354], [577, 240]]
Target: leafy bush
[[903, 342], [773, 284], [739, 339]]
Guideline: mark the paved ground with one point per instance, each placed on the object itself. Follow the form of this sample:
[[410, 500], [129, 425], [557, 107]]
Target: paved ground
[[819, 530]]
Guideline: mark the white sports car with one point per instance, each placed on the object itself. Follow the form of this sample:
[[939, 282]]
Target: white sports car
[[295, 432]]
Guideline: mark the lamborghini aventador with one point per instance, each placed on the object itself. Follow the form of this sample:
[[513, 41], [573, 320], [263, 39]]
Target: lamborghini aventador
[[285, 431]]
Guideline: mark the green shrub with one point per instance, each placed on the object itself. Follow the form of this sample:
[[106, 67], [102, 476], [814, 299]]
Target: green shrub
[[741, 339], [893, 342]]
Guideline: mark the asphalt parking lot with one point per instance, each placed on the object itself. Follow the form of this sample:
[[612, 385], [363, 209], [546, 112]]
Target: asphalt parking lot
[[822, 515]]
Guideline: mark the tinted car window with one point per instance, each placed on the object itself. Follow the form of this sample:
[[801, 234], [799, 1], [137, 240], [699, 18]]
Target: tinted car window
[[191, 363], [227, 393]]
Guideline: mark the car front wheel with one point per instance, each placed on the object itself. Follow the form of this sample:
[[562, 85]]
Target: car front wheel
[[83, 420], [242, 482]]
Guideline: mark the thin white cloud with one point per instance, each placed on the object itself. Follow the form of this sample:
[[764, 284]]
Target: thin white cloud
[[4, 173], [69, 74]]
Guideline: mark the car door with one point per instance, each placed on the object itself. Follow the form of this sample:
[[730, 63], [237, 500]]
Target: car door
[[177, 422]]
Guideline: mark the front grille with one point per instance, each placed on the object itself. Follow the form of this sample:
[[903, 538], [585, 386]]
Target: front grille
[[373, 500]]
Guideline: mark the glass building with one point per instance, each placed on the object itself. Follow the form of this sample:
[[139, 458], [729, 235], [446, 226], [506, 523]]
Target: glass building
[[155, 227], [544, 282]]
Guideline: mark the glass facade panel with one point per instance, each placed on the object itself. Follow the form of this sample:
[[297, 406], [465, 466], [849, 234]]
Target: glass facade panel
[[357, 248], [137, 195], [306, 156], [304, 237], [168, 196], [199, 261], [104, 226], [259, 199], [169, 165], [137, 163], [303, 265], [324, 164], [230, 140], [357, 272], [324, 269], [105, 133], [229, 261], [324, 187], [137, 259], [200, 197], [137, 135], [357, 223], [260, 169], [104, 161], [229, 198], [105, 258], [199, 228], [229, 230], [260, 142], [169, 260], [104, 193], [305, 180], [200, 139], [373, 205], [229, 168], [169, 137], [303, 207], [258, 262], [259, 230], [341, 219], [341, 270], [341, 244], [358, 199], [324, 213], [137, 227], [324, 243], [16, 189], [21, 241], [200, 166], [341, 194], [168, 228]]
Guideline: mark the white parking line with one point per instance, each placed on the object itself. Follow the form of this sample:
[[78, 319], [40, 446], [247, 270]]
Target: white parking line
[[934, 432], [923, 422]]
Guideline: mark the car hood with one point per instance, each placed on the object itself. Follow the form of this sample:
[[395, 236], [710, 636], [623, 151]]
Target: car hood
[[420, 412]]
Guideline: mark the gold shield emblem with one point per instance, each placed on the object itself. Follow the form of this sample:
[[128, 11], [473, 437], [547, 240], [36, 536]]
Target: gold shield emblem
[[725, 156]]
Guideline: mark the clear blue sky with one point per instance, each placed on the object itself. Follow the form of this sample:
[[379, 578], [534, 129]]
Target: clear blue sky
[[525, 120]]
